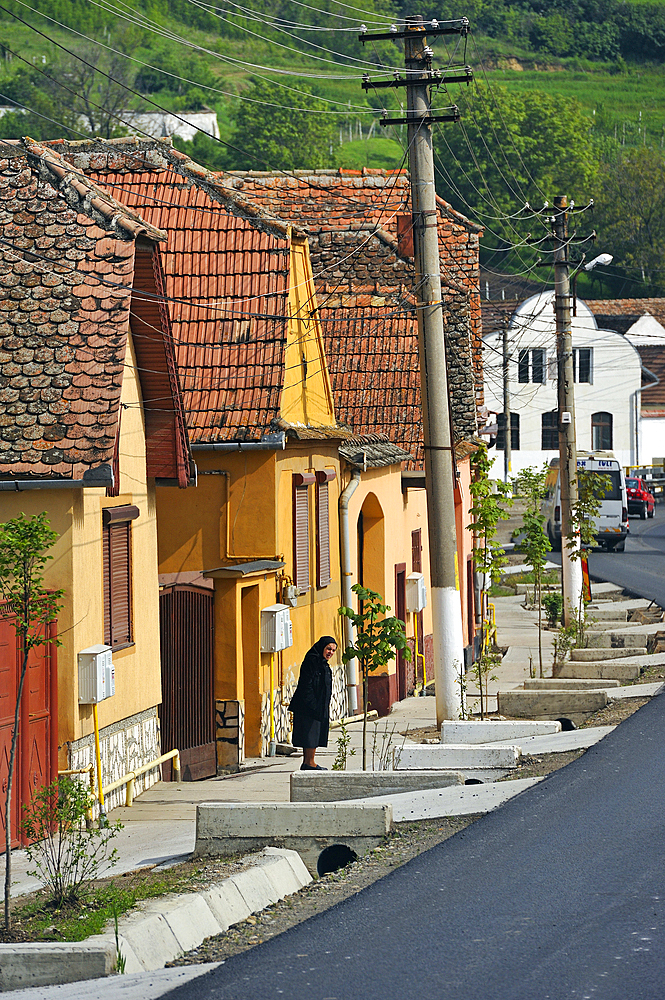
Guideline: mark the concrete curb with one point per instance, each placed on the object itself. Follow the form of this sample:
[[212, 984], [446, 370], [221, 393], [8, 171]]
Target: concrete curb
[[158, 930]]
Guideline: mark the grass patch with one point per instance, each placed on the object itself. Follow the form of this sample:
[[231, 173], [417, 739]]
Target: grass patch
[[34, 917], [550, 578]]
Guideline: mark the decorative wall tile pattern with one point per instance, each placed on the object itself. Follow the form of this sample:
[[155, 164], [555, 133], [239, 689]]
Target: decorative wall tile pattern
[[283, 722], [124, 746]]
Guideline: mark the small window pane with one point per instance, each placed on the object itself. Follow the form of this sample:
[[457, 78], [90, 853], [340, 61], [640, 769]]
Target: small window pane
[[523, 366], [538, 365], [584, 364], [549, 431], [514, 432]]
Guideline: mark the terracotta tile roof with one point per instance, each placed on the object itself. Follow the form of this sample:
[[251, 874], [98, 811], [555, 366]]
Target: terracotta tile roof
[[226, 265], [365, 287], [67, 262]]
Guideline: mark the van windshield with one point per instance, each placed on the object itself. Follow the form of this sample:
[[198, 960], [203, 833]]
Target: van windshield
[[614, 492]]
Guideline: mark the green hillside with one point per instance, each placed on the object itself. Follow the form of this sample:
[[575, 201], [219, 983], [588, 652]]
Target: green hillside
[[583, 81]]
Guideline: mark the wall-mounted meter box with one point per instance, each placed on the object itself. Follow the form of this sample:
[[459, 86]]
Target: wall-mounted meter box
[[276, 631], [96, 674], [416, 592]]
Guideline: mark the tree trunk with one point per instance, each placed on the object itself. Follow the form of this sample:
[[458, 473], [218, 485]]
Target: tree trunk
[[365, 692], [540, 621], [10, 779]]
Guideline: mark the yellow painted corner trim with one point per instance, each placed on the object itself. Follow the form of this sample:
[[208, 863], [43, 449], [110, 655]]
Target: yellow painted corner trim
[[306, 393]]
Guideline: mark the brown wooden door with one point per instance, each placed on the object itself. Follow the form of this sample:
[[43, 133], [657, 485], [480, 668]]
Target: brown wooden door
[[400, 612], [187, 712]]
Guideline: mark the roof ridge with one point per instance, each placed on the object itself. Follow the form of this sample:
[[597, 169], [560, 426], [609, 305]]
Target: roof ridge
[[207, 180], [87, 196]]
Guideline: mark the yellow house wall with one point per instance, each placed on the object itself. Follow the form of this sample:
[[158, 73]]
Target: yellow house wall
[[228, 517], [76, 568], [388, 543]]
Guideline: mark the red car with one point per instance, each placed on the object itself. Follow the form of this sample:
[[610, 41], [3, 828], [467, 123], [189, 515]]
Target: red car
[[640, 500]]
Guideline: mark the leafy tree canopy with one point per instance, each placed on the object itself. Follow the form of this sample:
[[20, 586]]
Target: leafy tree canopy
[[274, 138], [512, 148]]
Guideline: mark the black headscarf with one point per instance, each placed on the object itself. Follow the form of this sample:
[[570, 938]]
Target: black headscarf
[[321, 644], [312, 695]]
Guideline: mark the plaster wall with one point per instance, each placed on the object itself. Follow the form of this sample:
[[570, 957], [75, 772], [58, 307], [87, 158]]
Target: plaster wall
[[615, 385]]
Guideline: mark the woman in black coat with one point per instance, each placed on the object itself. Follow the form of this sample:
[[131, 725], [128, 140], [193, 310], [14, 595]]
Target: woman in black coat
[[311, 702]]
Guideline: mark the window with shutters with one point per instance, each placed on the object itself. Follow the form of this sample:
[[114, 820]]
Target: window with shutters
[[416, 551], [117, 570], [323, 576], [301, 484]]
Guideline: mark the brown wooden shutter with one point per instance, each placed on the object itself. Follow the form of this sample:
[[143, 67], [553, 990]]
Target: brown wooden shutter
[[322, 535], [301, 537], [416, 552], [117, 569]]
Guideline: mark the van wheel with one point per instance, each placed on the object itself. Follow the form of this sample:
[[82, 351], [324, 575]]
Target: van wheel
[[643, 512]]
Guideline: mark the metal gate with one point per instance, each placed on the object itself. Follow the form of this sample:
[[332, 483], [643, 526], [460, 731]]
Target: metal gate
[[187, 712]]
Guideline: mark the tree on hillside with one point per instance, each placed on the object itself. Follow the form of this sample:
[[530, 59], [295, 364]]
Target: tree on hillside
[[512, 148], [282, 138], [631, 215]]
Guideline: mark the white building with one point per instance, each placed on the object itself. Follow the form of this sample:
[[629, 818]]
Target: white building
[[648, 336], [608, 377]]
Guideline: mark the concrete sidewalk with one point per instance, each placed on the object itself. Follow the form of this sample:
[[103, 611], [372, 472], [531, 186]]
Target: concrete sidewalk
[[160, 826]]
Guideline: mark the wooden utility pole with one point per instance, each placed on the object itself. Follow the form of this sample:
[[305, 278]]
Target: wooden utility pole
[[507, 422], [439, 458], [571, 565]]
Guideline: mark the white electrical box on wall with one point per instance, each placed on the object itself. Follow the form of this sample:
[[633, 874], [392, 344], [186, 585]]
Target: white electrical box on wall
[[276, 631], [96, 674], [416, 592]]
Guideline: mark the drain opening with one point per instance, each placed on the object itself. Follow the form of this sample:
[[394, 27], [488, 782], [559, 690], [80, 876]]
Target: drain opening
[[474, 781], [567, 725], [335, 857]]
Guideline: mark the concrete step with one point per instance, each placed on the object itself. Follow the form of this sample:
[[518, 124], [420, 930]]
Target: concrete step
[[613, 614], [224, 828], [453, 757], [334, 786], [615, 640], [494, 730], [576, 705], [588, 655], [567, 684], [603, 670]]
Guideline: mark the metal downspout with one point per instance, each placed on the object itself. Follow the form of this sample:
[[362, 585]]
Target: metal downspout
[[347, 593]]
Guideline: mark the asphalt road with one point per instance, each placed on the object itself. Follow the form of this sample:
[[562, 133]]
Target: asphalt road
[[641, 568], [559, 894]]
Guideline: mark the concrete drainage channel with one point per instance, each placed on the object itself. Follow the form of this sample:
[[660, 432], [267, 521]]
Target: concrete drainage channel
[[158, 930]]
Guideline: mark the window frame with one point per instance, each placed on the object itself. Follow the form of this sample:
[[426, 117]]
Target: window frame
[[577, 367], [529, 361], [322, 503], [117, 575], [302, 577], [514, 432], [599, 425], [552, 430]]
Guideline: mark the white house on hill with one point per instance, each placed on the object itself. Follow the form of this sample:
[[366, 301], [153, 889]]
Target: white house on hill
[[608, 376]]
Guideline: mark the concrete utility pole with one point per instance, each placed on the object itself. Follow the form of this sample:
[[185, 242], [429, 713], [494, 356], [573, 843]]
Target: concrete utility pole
[[571, 567], [439, 458], [508, 434]]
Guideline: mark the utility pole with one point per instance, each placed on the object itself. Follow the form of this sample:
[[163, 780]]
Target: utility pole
[[439, 457], [508, 432], [571, 565]]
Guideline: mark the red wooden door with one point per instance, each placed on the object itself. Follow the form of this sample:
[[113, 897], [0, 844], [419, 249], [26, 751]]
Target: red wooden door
[[36, 761]]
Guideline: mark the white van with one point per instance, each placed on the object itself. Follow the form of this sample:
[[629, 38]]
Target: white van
[[612, 522]]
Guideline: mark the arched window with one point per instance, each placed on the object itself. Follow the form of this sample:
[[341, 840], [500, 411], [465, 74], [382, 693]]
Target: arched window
[[601, 431], [549, 431]]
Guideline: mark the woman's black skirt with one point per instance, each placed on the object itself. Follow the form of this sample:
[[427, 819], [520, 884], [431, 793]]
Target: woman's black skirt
[[309, 733]]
